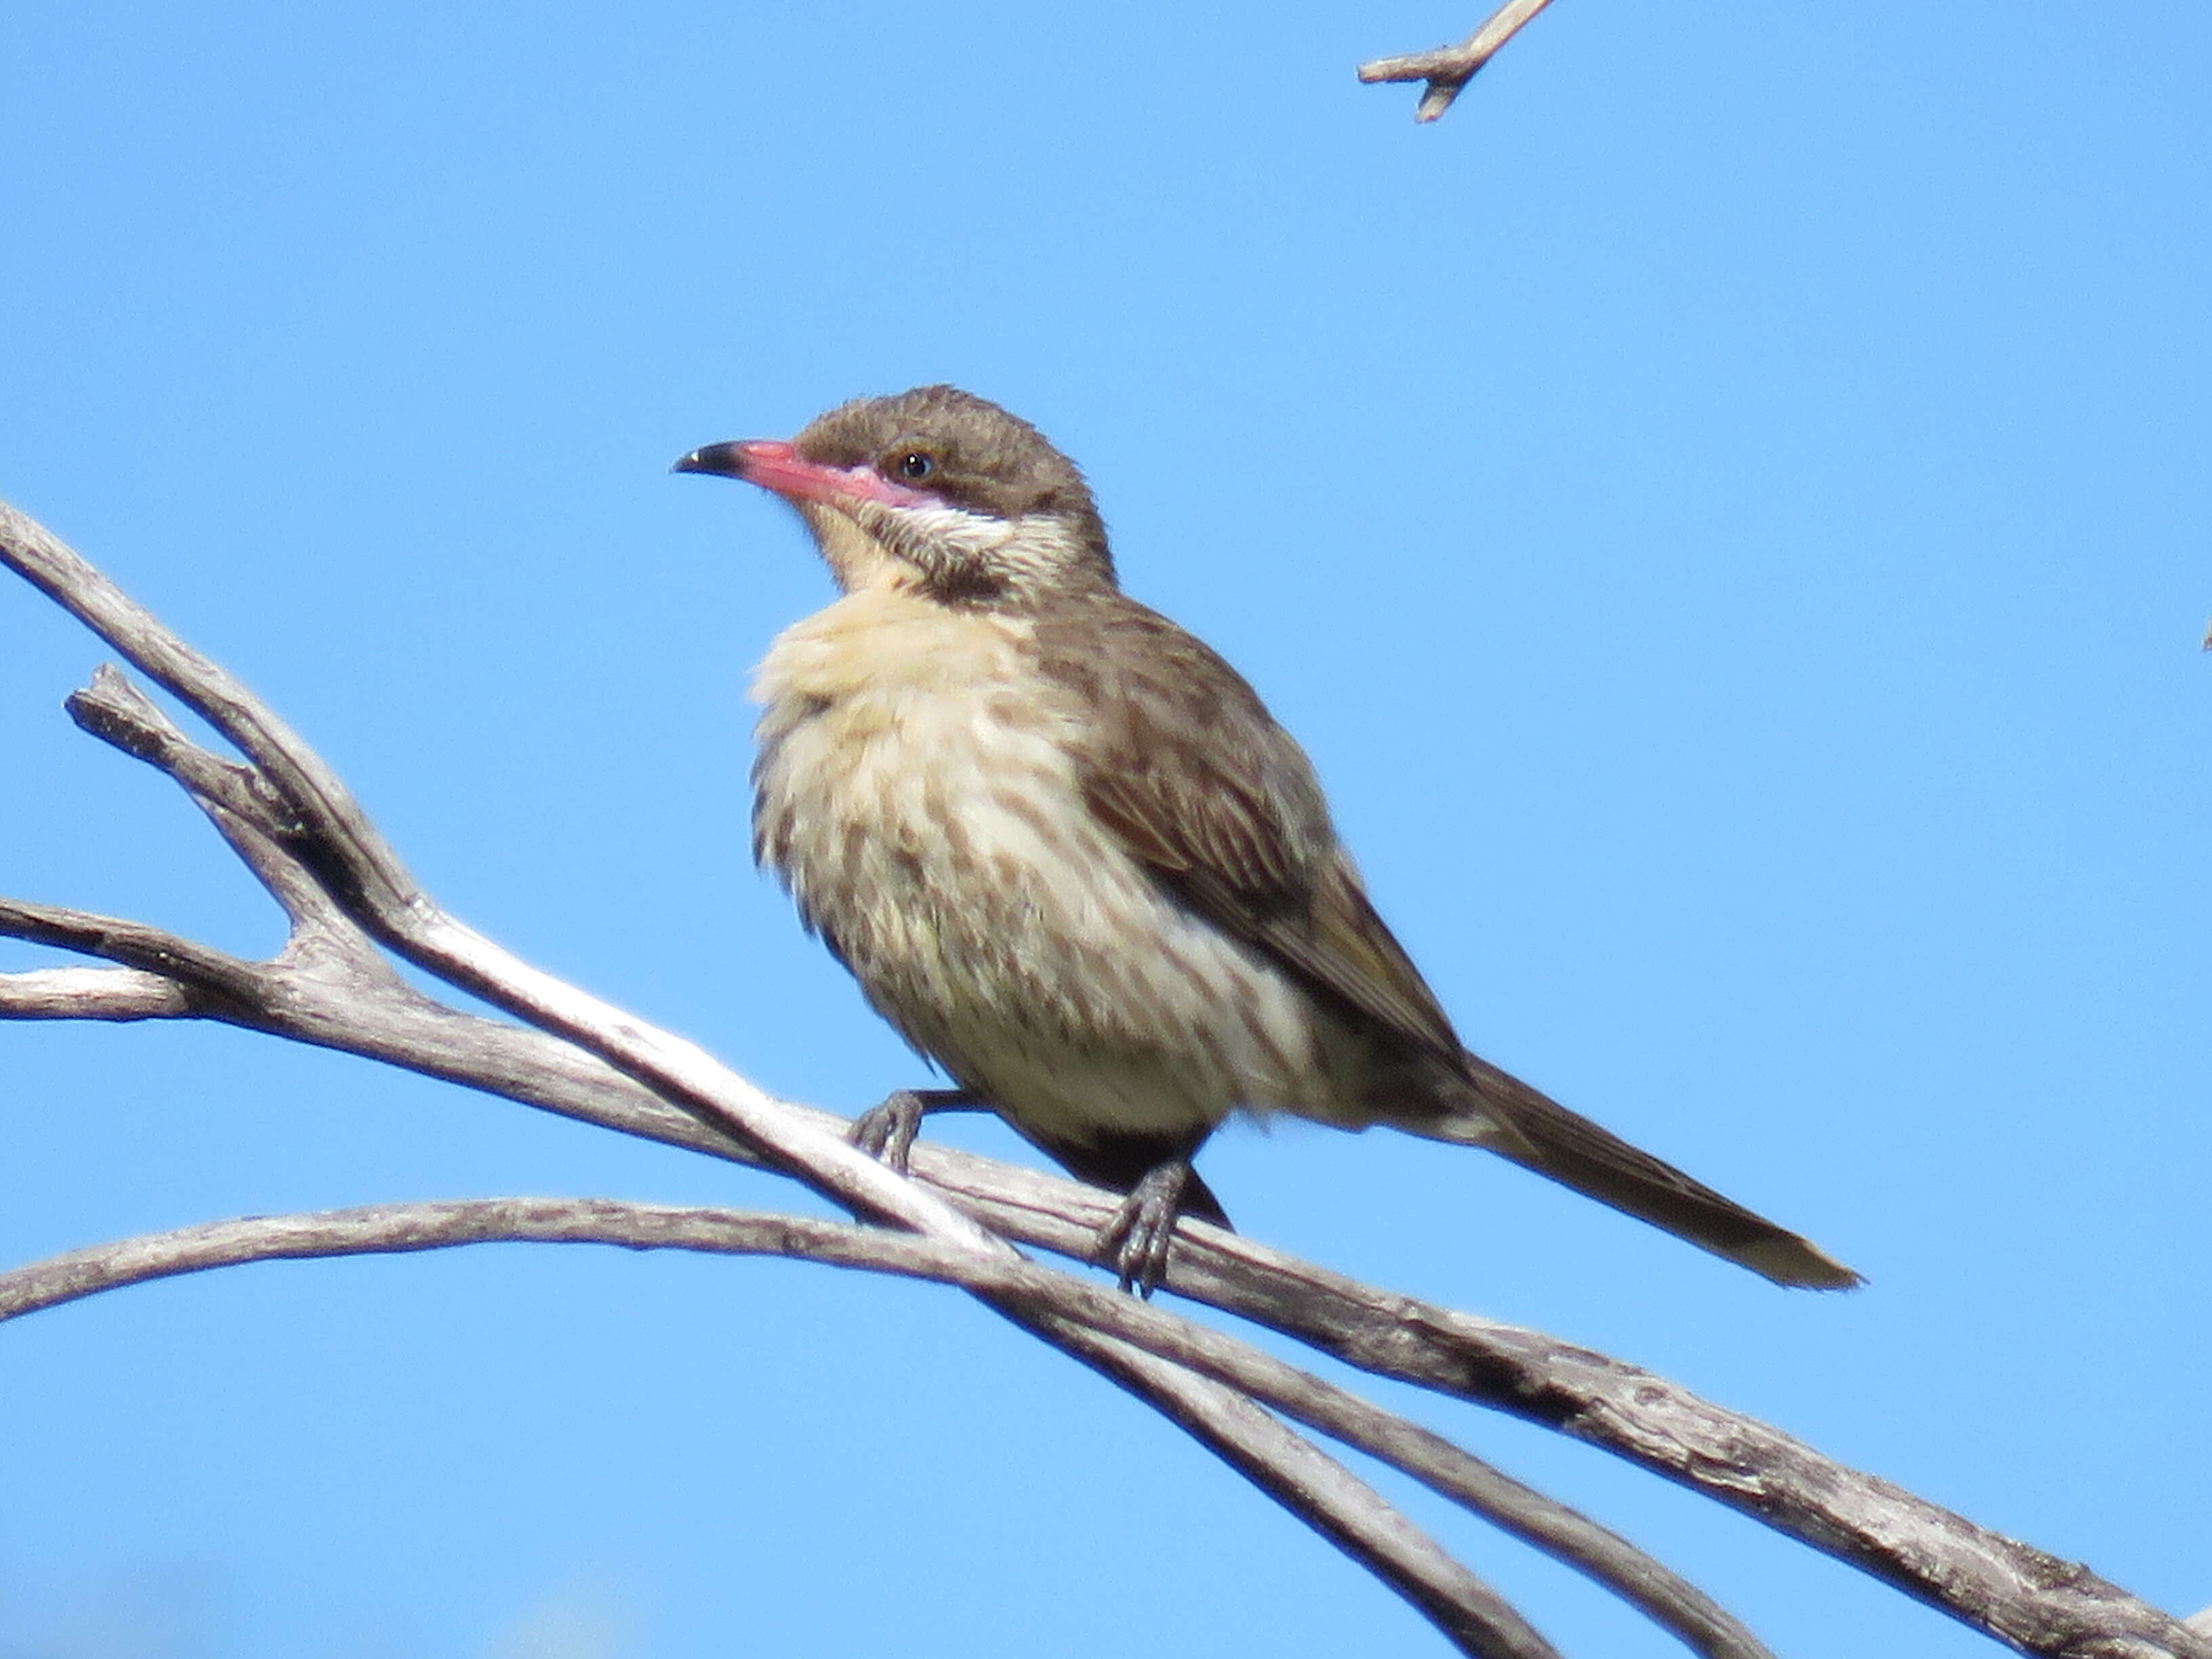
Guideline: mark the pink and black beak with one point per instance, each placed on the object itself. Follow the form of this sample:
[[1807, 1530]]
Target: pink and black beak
[[776, 466]]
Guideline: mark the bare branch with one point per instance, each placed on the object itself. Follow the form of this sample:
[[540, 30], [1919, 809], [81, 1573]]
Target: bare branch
[[118, 994], [2021, 1596], [245, 811], [1314, 1487], [1449, 69], [214, 976], [1080, 1312], [1981, 1578]]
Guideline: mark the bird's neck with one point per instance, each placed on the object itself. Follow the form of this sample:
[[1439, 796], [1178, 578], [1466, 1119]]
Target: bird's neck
[[889, 641]]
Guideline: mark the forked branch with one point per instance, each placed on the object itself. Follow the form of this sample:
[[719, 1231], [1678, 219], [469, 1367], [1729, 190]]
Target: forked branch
[[1449, 69]]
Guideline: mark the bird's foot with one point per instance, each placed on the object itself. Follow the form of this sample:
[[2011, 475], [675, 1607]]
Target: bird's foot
[[888, 1131], [1134, 1243]]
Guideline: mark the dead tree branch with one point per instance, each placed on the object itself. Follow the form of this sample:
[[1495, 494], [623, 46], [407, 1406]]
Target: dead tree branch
[[1038, 1291], [1449, 69], [294, 825]]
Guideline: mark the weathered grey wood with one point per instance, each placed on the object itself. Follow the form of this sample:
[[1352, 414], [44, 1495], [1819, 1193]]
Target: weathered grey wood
[[1449, 69], [1035, 1292], [2018, 1594], [324, 999]]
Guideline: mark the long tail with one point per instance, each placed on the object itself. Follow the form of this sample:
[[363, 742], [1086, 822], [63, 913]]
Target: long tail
[[1542, 1135]]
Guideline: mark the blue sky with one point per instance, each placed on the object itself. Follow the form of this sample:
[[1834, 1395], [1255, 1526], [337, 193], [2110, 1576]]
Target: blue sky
[[1725, 511]]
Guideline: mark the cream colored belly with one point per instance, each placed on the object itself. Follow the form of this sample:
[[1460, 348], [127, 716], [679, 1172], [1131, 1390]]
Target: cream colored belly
[[929, 825]]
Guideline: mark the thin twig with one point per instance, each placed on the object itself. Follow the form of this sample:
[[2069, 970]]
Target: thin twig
[[1449, 69], [117, 994], [246, 811], [217, 975]]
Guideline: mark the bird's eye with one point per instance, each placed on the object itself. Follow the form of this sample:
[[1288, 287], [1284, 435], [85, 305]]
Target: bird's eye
[[916, 463]]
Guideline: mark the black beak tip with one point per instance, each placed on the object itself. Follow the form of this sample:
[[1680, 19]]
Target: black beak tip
[[722, 460]]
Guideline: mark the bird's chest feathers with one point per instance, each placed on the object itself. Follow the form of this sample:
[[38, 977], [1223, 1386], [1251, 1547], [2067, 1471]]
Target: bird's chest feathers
[[907, 759]]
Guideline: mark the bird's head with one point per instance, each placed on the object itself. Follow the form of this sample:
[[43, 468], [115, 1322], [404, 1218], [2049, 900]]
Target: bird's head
[[935, 491]]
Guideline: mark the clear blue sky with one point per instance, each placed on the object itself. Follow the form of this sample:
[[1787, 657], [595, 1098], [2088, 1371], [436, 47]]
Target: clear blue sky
[[1726, 511]]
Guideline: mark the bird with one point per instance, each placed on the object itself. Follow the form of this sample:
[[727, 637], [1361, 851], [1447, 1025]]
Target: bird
[[1070, 856]]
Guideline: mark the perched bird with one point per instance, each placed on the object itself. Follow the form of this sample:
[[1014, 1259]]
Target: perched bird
[[1067, 853]]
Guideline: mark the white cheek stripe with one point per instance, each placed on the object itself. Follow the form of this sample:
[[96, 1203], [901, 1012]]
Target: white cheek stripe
[[1012, 549], [971, 532]]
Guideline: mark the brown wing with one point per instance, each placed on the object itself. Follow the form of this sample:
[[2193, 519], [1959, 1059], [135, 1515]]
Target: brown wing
[[1184, 765], [1181, 760]]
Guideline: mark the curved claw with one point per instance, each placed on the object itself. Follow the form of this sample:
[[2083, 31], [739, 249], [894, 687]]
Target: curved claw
[[1135, 1242], [888, 1131]]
